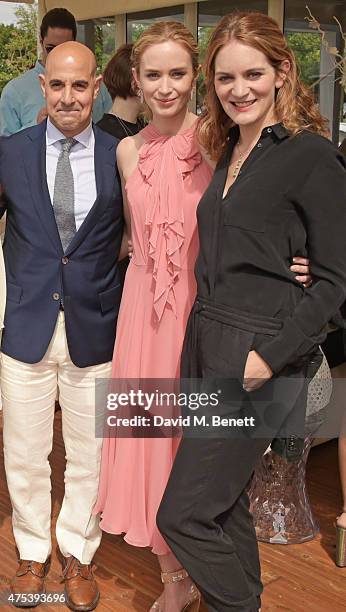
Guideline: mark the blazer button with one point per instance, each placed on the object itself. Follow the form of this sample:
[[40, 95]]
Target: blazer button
[[56, 296], [64, 260]]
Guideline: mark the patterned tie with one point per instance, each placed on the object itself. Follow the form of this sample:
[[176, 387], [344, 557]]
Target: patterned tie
[[63, 198]]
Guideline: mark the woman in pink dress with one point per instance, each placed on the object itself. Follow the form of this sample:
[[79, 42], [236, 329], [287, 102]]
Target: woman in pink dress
[[164, 176]]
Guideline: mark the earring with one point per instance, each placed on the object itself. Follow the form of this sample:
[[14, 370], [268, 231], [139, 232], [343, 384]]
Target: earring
[[140, 94], [192, 94]]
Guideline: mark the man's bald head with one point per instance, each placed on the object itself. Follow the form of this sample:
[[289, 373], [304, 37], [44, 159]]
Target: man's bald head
[[69, 53], [70, 86]]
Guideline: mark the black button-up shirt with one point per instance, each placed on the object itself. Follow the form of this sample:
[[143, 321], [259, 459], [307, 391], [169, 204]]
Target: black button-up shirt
[[289, 199]]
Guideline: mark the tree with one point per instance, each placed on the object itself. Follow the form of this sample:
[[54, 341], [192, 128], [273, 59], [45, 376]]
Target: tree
[[137, 29], [27, 18], [307, 50], [204, 33], [6, 32], [104, 44], [18, 44]]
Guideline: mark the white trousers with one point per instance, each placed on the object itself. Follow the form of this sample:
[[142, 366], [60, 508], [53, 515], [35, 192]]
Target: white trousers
[[28, 395]]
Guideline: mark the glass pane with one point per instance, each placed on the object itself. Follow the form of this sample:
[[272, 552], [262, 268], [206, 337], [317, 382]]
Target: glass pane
[[209, 14], [99, 36], [105, 41], [138, 22], [317, 66]]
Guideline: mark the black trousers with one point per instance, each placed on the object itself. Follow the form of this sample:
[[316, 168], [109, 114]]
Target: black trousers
[[204, 515]]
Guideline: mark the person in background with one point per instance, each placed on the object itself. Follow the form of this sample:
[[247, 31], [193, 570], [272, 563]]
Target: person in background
[[122, 119], [22, 103]]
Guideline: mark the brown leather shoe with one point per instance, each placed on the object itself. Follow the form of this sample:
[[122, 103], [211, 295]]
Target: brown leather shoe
[[81, 590], [29, 580]]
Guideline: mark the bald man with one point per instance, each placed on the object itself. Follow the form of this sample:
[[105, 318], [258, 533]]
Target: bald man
[[64, 229]]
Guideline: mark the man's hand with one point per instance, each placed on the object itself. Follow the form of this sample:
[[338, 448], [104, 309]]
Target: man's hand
[[42, 115], [256, 372], [301, 267]]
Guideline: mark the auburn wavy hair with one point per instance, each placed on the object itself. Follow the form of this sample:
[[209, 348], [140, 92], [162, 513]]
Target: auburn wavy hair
[[294, 104]]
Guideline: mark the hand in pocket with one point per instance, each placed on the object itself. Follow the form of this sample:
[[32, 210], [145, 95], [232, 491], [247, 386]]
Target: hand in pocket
[[256, 372]]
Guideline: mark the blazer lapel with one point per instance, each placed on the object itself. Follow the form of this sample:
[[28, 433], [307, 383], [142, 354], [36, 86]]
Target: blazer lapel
[[105, 175], [35, 167]]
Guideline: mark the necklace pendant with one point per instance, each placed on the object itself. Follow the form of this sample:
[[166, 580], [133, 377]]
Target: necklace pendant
[[236, 167]]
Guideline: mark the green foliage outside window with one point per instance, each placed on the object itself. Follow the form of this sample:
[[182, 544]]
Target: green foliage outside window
[[137, 29], [307, 50], [104, 44], [204, 33], [18, 44]]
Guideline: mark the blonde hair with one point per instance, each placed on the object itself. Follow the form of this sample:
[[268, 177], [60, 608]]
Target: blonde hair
[[294, 104], [160, 32]]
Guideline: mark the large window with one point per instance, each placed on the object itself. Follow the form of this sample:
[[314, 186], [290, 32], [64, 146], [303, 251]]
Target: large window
[[209, 14], [316, 64], [138, 22], [98, 35]]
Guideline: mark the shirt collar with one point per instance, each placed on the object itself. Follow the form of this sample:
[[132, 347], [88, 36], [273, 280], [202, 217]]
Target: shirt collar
[[277, 130], [54, 135]]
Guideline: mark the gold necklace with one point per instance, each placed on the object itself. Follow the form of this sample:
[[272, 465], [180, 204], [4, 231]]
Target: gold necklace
[[240, 160], [128, 131]]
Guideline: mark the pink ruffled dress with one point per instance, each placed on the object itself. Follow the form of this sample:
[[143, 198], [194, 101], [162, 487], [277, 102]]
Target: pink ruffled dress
[[163, 193]]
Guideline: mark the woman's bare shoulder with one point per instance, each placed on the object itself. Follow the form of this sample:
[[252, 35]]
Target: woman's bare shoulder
[[127, 146], [127, 153]]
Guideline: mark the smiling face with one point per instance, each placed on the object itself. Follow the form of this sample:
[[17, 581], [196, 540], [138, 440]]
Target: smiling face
[[70, 86], [166, 78], [245, 84]]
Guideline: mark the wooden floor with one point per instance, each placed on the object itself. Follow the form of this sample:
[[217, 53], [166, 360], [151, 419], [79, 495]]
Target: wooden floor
[[299, 578]]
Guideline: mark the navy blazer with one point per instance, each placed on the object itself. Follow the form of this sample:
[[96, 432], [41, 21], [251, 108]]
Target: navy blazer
[[39, 273]]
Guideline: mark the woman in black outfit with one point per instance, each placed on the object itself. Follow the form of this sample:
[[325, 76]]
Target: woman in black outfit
[[278, 190], [122, 120]]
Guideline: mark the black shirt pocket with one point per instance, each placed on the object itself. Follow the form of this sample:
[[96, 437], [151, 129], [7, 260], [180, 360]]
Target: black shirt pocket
[[249, 210]]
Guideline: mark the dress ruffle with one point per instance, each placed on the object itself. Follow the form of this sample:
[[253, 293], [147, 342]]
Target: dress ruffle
[[165, 216]]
